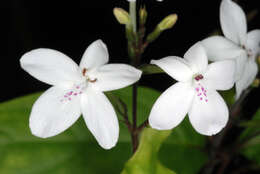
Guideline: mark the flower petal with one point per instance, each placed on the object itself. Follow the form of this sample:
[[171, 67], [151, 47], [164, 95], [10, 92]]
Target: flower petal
[[220, 75], [95, 55], [176, 67], [209, 118], [220, 48], [50, 66], [171, 107], [233, 22], [253, 41], [100, 118], [240, 65], [52, 113], [197, 58], [114, 76], [247, 77]]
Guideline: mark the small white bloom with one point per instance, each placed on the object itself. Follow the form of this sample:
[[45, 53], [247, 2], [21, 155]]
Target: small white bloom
[[77, 90], [194, 93], [238, 44]]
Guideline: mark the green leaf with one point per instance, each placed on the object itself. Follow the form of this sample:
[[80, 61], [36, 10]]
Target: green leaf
[[151, 69], [229, 96], [183, 151], [250, 139], [145, 160], [76, 151]]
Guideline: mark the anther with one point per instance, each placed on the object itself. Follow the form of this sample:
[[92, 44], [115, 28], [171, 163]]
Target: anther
[[199, 77], [92, 81], [84, 71]]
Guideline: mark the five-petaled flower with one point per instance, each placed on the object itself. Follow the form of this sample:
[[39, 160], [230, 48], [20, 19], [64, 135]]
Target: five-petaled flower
[[77, 89], [194, 93], [238, 44]]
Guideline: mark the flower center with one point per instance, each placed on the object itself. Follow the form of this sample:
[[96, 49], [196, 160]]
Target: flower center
[[201, 92], [248, 51], [84, 73], [198, 77]]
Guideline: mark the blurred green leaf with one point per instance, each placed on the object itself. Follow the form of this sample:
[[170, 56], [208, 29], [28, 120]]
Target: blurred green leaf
[[145, 160], [250, 139], [151, 69], [229, 96], [183, 151], [76, 151]]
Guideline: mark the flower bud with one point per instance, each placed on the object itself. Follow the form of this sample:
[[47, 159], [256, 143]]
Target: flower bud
[[167, 22], [143, 15], [122, 16]]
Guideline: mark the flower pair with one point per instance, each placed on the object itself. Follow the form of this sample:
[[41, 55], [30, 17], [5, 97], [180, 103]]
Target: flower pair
[[195, 92]]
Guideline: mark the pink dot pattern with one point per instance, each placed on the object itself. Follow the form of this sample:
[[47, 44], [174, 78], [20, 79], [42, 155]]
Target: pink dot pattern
[[201, 92], [71, 94]]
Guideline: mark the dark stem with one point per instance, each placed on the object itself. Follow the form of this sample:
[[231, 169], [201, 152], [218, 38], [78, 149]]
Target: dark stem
[[134, 105], [134, 133], [142, 126]]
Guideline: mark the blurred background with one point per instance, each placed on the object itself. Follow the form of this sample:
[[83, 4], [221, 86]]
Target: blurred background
[[70, 26]]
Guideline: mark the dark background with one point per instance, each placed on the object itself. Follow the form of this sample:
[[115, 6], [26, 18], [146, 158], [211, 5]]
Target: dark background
[[70, 26]]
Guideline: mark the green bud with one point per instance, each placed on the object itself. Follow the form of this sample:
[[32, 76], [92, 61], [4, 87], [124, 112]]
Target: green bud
[[256, 83], [143, 15], [168, 22], [154, 35], [258, 60], [122, 16]]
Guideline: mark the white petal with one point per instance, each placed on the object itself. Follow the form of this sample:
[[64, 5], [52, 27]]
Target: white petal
[[247, 77], [233, 22], [114, 76], [209, 118], [197, 58], [52, 113], [171, 107], [95, 55], [253, 41], [100, 118], [220, 75], [240, 65], [176, 67], [50, 66], [220, 48]]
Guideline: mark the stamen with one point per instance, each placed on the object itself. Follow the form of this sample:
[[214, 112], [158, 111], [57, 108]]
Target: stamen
[[92, 81], [199, 77], [84, 71]]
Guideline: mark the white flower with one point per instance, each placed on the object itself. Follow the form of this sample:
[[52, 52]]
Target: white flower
[[238, 44], [77, 89], [194, 93]]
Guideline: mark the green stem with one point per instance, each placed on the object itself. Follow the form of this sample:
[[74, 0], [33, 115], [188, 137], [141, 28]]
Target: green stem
[[132, 9]]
